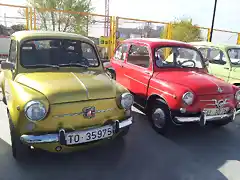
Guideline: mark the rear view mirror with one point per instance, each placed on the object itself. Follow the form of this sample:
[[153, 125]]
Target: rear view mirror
[[7, 65]]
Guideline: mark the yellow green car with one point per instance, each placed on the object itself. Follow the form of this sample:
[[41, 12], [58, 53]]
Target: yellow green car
[[223, 60], [58, 96]]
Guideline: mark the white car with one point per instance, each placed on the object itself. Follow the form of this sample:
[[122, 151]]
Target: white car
[[4, 47]]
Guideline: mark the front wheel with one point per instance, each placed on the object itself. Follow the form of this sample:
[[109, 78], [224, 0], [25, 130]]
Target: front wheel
[[123, 132], [159, 117], [111, 74], [19, 150]]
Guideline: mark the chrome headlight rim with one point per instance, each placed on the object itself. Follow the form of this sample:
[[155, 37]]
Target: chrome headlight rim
[[237, 95], [184, 95], [124, 96], [31, 103]]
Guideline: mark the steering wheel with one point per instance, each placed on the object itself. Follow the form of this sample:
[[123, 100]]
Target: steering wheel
[[193, 63], [84, 61]]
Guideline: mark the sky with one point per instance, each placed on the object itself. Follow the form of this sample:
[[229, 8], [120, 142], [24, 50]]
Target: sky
[[165, 11]]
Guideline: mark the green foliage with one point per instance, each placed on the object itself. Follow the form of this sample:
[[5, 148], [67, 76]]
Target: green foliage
[[69, 22], [184, 30], [18, 27]]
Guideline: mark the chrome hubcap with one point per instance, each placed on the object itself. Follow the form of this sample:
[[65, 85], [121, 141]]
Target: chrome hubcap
[[159, 118]]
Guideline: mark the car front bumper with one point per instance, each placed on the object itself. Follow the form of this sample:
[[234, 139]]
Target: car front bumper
[[202, 118], [57, 137]]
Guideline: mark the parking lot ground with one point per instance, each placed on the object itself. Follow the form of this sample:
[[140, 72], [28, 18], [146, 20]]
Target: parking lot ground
[[189, 153]]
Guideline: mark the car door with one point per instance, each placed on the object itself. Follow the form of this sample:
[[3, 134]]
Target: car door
[[138, 71], [9, 74], [118, 61], [218, 63]]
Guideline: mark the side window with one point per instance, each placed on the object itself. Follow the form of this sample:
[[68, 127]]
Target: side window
[[13, 52], [216, 56], [139, 56], [120, 53]]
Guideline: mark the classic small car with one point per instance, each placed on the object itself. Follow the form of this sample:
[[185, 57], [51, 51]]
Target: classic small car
[[4, 47], [171, 84], [223, 60], [58, 96]]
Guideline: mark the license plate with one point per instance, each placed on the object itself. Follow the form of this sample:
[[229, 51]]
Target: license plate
[[216, 111], [89, 135]]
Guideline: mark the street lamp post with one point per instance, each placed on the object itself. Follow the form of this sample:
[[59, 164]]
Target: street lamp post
[[213, 19]]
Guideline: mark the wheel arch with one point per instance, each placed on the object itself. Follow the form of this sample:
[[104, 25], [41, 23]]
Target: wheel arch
[[237, 84], [154, 97]]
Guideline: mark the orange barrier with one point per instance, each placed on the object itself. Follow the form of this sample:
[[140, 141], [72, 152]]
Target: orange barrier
[[91, 24]]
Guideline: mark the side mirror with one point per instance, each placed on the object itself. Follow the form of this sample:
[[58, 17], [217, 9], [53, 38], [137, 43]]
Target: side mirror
[[117, 35], [7, 65], [206, 61]]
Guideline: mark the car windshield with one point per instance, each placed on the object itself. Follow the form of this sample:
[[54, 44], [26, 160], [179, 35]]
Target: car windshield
[[178, 57], [234, 55], [44, 53]]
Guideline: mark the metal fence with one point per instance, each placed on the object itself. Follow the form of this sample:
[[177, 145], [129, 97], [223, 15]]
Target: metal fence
[[94, 26]]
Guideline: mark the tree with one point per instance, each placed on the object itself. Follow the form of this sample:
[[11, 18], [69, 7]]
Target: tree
[[184, 30], [61, 21], [3, 30], [18, 27]]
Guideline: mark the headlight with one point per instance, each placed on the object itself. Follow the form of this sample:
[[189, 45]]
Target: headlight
[[237, 95], [35, 111], [188, 98], [126, 100]]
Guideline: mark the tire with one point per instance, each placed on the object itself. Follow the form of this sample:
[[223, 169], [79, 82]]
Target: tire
[[159, 117], [221, 123], [20, 151], [111, 75], [124, 132]]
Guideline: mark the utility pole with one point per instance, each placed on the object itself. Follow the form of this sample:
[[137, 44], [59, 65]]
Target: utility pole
[[89, 3], [213, 19], [107, 20], [5, 20]]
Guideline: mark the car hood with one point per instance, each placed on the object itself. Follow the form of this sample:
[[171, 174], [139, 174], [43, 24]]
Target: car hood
[[199, 83], [61, 87]]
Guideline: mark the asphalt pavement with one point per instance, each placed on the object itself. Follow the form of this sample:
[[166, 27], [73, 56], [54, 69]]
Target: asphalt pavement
[[188, 153]]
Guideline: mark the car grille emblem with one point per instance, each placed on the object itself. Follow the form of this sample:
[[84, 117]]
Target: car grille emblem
[[89, 112], [219, 90], [220, 103]]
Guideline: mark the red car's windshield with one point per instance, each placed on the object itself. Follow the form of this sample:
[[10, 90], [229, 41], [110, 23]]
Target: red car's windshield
[[177, 57]]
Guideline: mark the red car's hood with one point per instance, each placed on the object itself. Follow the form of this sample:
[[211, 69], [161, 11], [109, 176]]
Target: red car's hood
[[199, 83]]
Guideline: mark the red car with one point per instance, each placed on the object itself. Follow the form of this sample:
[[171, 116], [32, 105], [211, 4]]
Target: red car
[[170, 82]]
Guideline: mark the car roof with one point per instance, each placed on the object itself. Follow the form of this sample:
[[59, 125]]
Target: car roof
[[35, 34], [157, 41], [219, 45]]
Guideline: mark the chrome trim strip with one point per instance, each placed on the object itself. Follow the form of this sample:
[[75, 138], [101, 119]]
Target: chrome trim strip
[[207, 118], [81, 84], [135, 80], [164, 92], [80, 113], [126, 122], [46, 138], [53, 138], [174, 96]]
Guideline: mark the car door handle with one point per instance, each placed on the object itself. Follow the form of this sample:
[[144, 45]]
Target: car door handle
[[146, 72], [121, 65], [226, 68]]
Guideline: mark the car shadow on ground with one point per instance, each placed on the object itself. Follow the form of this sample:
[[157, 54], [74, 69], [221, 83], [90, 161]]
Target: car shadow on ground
[[142, 155]]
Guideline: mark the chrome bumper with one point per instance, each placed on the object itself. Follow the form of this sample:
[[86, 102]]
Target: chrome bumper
[[202, 119], [53, 138]]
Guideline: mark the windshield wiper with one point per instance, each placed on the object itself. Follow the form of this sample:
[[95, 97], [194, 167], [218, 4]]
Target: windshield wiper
[[43, 66], [73, 64]]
